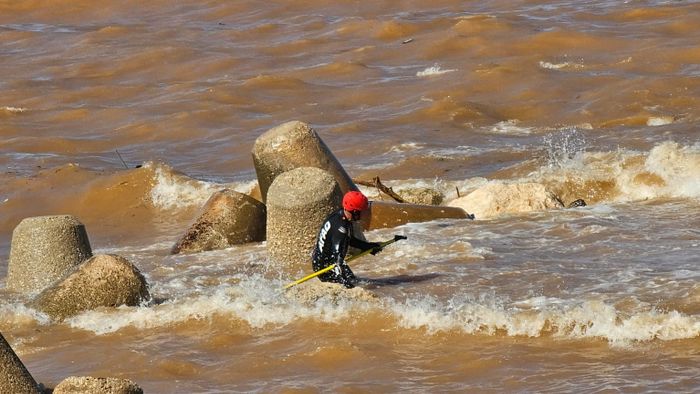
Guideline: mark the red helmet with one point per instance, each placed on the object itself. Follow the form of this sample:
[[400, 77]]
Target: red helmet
[[355, 201]]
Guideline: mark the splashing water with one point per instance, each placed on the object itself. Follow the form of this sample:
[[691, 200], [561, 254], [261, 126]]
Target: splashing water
[[564, 147]]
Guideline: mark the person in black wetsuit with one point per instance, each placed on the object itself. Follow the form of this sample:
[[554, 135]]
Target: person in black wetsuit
[[334, 238]]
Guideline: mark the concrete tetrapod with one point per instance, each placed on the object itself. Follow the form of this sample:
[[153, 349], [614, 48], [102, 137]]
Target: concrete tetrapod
[[292, 145], [298, 202], [14, 377], [228, 218], [43, 250], [90, 385], [104, 280]]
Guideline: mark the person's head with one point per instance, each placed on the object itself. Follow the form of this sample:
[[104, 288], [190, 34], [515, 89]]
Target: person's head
[[354, 203]]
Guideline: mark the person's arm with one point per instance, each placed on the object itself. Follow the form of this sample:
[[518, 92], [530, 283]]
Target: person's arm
[[339, 246], [363, 245]]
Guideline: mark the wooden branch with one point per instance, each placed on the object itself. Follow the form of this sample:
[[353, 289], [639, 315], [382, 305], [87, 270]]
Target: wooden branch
[[364, 183], [380, 186]]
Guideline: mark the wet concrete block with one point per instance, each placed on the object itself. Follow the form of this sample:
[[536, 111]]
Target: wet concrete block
[[102, 281], [228, 218], [292, 145], [43, 250], [384, 214], [91, 385], [298, 202], [14, 377]]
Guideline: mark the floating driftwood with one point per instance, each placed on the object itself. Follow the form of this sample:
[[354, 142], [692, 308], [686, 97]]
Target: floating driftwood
[[377, 183]]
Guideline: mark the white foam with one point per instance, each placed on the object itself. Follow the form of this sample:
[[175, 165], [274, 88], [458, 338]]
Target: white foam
[[537, 302], [552, 66], [18, 314], [406, 147], [678, 166], [565, 147], [458, 151], [255, 300], [245, 187], [668, 170], [598, 320], [592, 229], [510, 127], [559, 66], [13, 110], [259, 302], [164, 244], [589, 319], [143, 317], [170, 192], [660, 120], [434, 70]]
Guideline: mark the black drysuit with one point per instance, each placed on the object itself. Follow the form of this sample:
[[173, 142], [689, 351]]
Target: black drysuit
[[334, 237]]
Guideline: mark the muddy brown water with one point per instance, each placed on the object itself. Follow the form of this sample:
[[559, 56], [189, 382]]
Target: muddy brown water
[[597, 100]]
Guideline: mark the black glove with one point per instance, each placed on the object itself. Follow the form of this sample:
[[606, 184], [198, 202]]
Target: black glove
[[376, 248], [471, 216]]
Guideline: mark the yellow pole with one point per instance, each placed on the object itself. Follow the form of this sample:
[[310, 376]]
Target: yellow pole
[[330, 267], [307, 277]]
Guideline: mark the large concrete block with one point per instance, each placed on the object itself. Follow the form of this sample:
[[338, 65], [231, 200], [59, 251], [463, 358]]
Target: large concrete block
[[384, 214], [43, 250], [14, 377], [292, 145], [91, 385], [103, 280], [228, 218], [298, 202]]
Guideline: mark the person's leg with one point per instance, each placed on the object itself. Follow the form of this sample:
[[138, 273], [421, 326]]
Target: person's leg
[[330, 276], [347, 277], [340, 274]]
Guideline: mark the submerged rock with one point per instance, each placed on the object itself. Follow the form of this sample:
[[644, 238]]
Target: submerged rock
[[228, 218], [90, 385], [406, 194], [298, 202], [422, 196], [497, 199], [102, 281], [292, 145], [43, 250], [14, 377], [577, 203], [313, 291]]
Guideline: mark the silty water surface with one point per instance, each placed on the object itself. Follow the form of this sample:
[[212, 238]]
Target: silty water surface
[[597, 101]]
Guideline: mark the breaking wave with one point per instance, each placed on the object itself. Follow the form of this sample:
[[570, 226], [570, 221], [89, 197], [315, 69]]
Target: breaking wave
[[586, 320], [668, 170], [260, 304], [171, 189]]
